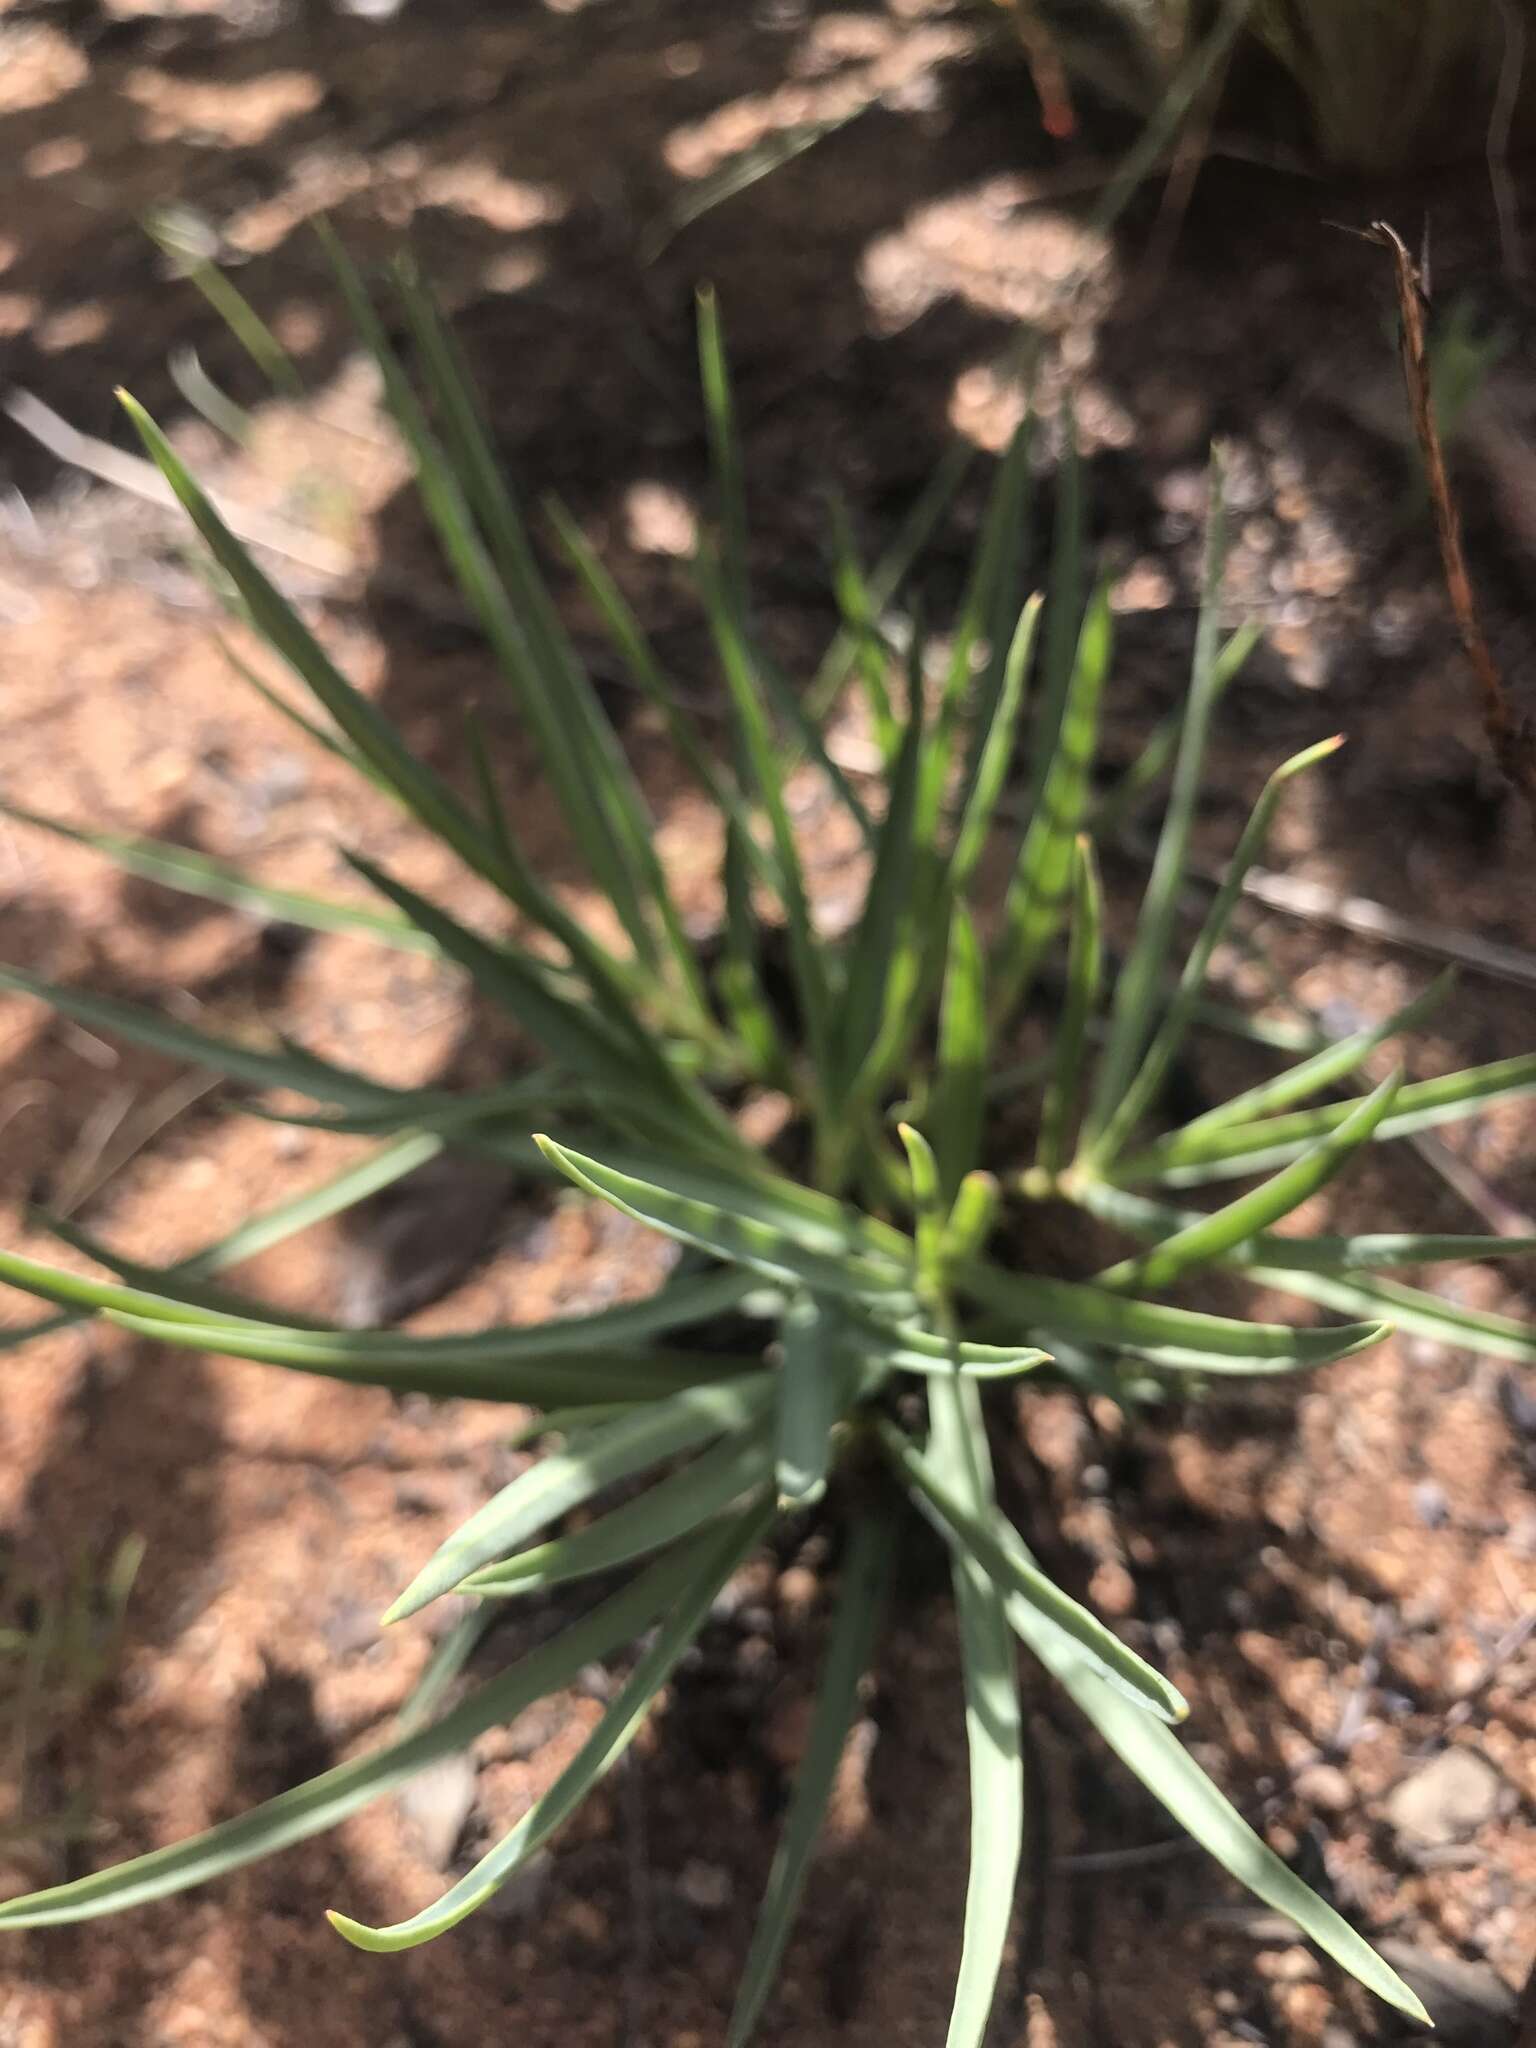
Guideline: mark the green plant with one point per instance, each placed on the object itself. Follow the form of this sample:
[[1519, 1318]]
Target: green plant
[[1375, 82], [59, 1646], [880, 1261]]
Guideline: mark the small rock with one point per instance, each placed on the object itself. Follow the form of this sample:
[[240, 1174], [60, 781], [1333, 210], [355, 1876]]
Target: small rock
[[1430, 1504], [797, 1591], [1325, 1787], [437, 1804], [1445, 1802], [706, 1886]]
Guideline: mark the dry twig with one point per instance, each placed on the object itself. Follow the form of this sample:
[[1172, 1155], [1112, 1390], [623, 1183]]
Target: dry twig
[[1510, 736]]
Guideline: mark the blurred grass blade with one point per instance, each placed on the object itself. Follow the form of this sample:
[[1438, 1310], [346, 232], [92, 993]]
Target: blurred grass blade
[[738, 977], [1367, 1253], [198, 874], [725, 457], [999, 743], [888, 575], [1116, 808], [625, 631], [1152, 1329], [289, 1068], [1137, 989], [317, 734], [309, 1809], [1323, 1069], [190, 242], [864, 1587], [428, 799], [1411, 1310], [1042, 882], [613, 1049], [187, 1290], [554, 671], [1218, 1153], [504, 591], [270, 1227], [565, 1479], [449, 1374], [1065, 604], [762, 759], [1154, 1754], [955, 1106], [1169, 1037], [814, 1384], [887, 907], [673, 1508], [872, 657], [1085, 967], [986, 1537], [1228, 1228], [711, 1561], [754, 1231], [989, 1666]]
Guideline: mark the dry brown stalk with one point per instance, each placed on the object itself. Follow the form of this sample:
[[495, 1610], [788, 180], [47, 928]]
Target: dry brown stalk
[[1510, 736]]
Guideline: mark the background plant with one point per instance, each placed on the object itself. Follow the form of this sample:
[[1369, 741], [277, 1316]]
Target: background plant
[[1357, 85], [877, 1268]]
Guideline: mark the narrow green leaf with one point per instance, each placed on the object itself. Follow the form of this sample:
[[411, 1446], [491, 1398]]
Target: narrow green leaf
[[290, 1067], [1368, 1252], [625, 632], [989, 1539], [757, 745], [450, 1374], [725, 453], [958, 1097], [1322, 1069], [999, 740], [1152, 1329], [541, 676], [1232, 1149], [927, 1208], [864, 1587], [756, 1230], [872, 657], [1160, 1054], [713, 1559], [197, 874], [746, 1006], [1154, 1754], [184, 1289], [612, 1049], [1228, 1228], [328, 741], [563, 1480], [913, 1347], [311, 1808], [887, 908], [1137, 989], [814, 1386], [1042, 882], [888, 575], [376, 740], [1410, 1309], [674, 1507], [1085, 967], [1065, 601], [958, 1451], [1115, 809]]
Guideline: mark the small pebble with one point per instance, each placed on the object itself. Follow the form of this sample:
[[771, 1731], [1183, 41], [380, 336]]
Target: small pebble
[[1325, 1787], [708, 1887]]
